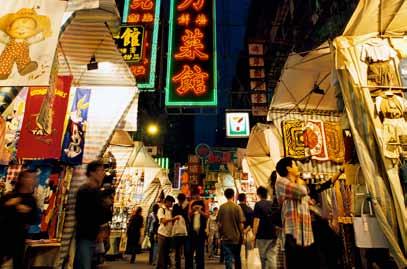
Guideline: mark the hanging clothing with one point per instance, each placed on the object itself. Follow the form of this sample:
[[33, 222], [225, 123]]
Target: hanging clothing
[[381, 74], [377, 50]]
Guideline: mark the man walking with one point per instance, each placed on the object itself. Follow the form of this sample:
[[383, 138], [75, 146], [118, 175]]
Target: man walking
[[199, 217], [247, 212], [89, 215], [231, 220], [183, 241], [264, 230], [292, 194]]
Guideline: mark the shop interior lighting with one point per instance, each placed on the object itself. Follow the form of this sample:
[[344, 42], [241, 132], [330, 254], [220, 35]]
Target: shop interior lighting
[[318, 90], [93, 64]]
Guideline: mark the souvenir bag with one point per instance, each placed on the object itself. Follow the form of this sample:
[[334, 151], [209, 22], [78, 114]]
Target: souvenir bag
[[146, 244], [179, 227], [253, 259], [368, 233], [123, 243]]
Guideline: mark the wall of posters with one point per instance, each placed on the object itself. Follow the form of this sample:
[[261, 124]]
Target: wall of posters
[[29, 33], [191, 66], [43, 122]]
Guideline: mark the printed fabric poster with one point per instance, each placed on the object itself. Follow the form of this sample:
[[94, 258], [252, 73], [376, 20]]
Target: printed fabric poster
[[14, 119], [334, 141], [293, 137], [43, 122], [314, 140], [29, 31], [74, 139]]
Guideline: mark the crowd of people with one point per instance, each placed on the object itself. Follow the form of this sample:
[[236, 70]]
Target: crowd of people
[[282, 226]]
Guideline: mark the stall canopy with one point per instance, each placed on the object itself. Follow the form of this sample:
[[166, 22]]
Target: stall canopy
[[87, 34], [386, 17], [264, 149], [305, 82]]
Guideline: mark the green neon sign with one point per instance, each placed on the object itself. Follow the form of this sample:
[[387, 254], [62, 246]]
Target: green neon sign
[[147, 81], [192, 72]]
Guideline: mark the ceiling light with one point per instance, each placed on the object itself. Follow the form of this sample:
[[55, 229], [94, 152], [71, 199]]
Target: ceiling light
[[93, 64]]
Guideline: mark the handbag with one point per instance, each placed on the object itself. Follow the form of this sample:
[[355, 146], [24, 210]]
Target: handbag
[[179, 228], [146, 244], [368, 233], [253, 259]]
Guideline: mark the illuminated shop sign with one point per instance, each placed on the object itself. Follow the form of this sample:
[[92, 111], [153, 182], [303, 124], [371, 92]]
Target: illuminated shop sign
[[142, 18], [191, 66]]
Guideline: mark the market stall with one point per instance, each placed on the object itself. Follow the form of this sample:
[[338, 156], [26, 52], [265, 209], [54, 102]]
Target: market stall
[[369, 64]]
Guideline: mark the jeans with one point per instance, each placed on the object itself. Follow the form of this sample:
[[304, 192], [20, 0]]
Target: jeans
[[84, 253], [232, 252], [152, 258], [268, 253], [182, 242]]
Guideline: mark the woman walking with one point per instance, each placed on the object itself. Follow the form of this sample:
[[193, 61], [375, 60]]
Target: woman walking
[[133, 234], [152, 228]]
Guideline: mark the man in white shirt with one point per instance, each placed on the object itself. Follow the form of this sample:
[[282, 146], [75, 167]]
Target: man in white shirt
[[164, 232]]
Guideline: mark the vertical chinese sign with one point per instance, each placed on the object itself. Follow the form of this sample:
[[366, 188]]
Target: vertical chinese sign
[[192, 63], [138, 40]]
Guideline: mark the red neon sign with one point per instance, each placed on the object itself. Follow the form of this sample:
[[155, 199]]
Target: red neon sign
[[191, 80], [192, 46], [196, 4]]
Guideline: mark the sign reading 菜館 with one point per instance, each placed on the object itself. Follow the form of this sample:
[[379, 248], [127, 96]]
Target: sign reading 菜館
[[191, 66], [138, 39], [237, 125]]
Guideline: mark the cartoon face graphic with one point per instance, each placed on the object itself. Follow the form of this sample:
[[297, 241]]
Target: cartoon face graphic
[[23, 28]]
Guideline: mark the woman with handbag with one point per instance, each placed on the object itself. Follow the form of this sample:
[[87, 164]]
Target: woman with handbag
[[133, 234]]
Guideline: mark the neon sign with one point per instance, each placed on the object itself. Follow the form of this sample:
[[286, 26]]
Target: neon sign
[[145, 15], [191, 66]]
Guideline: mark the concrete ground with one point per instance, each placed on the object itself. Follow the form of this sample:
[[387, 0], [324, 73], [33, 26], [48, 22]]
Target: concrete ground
[[142, 263]]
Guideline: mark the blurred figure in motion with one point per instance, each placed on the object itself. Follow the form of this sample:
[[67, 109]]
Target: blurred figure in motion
[[151, 231], [17, 211], [134, 234], [90, 215]]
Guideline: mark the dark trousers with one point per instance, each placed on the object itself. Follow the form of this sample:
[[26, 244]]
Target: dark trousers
[[17, 255], [182, 243], [298, 256], [198, 247], [164, 247], [232, 252]]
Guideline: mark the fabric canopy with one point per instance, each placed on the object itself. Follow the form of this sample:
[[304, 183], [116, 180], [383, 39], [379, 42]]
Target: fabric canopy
[[258, 156], [378, 17], [88, 33], [299, 77]]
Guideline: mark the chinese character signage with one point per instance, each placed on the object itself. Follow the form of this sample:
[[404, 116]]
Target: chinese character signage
[[191, 67], [140, 33], [257, 77], [237, 125], [130, 43]]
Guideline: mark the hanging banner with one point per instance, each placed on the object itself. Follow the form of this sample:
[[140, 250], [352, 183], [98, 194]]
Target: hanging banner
[[43, 122], [138, 39], [74, 139], [29, 33], [192, 63]]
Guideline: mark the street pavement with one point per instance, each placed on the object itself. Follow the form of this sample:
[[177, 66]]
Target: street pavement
[[142, 263]]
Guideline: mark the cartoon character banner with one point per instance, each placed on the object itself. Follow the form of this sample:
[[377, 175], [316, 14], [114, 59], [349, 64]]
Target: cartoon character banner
[[29, 31], [74, 140], [43, 123]]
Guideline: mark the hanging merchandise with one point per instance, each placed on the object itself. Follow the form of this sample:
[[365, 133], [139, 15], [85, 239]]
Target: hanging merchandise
[[43, 122], [293, 138], [4, 153], [74, 139], [314, 140], [334, 141], [29, 31], [14, 119]]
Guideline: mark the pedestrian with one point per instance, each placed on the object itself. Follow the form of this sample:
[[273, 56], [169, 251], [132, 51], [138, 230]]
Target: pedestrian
[[182, 241], [18, 210], [231, 220], [90, 215], [292, 194], [199, 217], [212, 231], [264, 230], [134, 233], [151, 231], [165, 232]]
